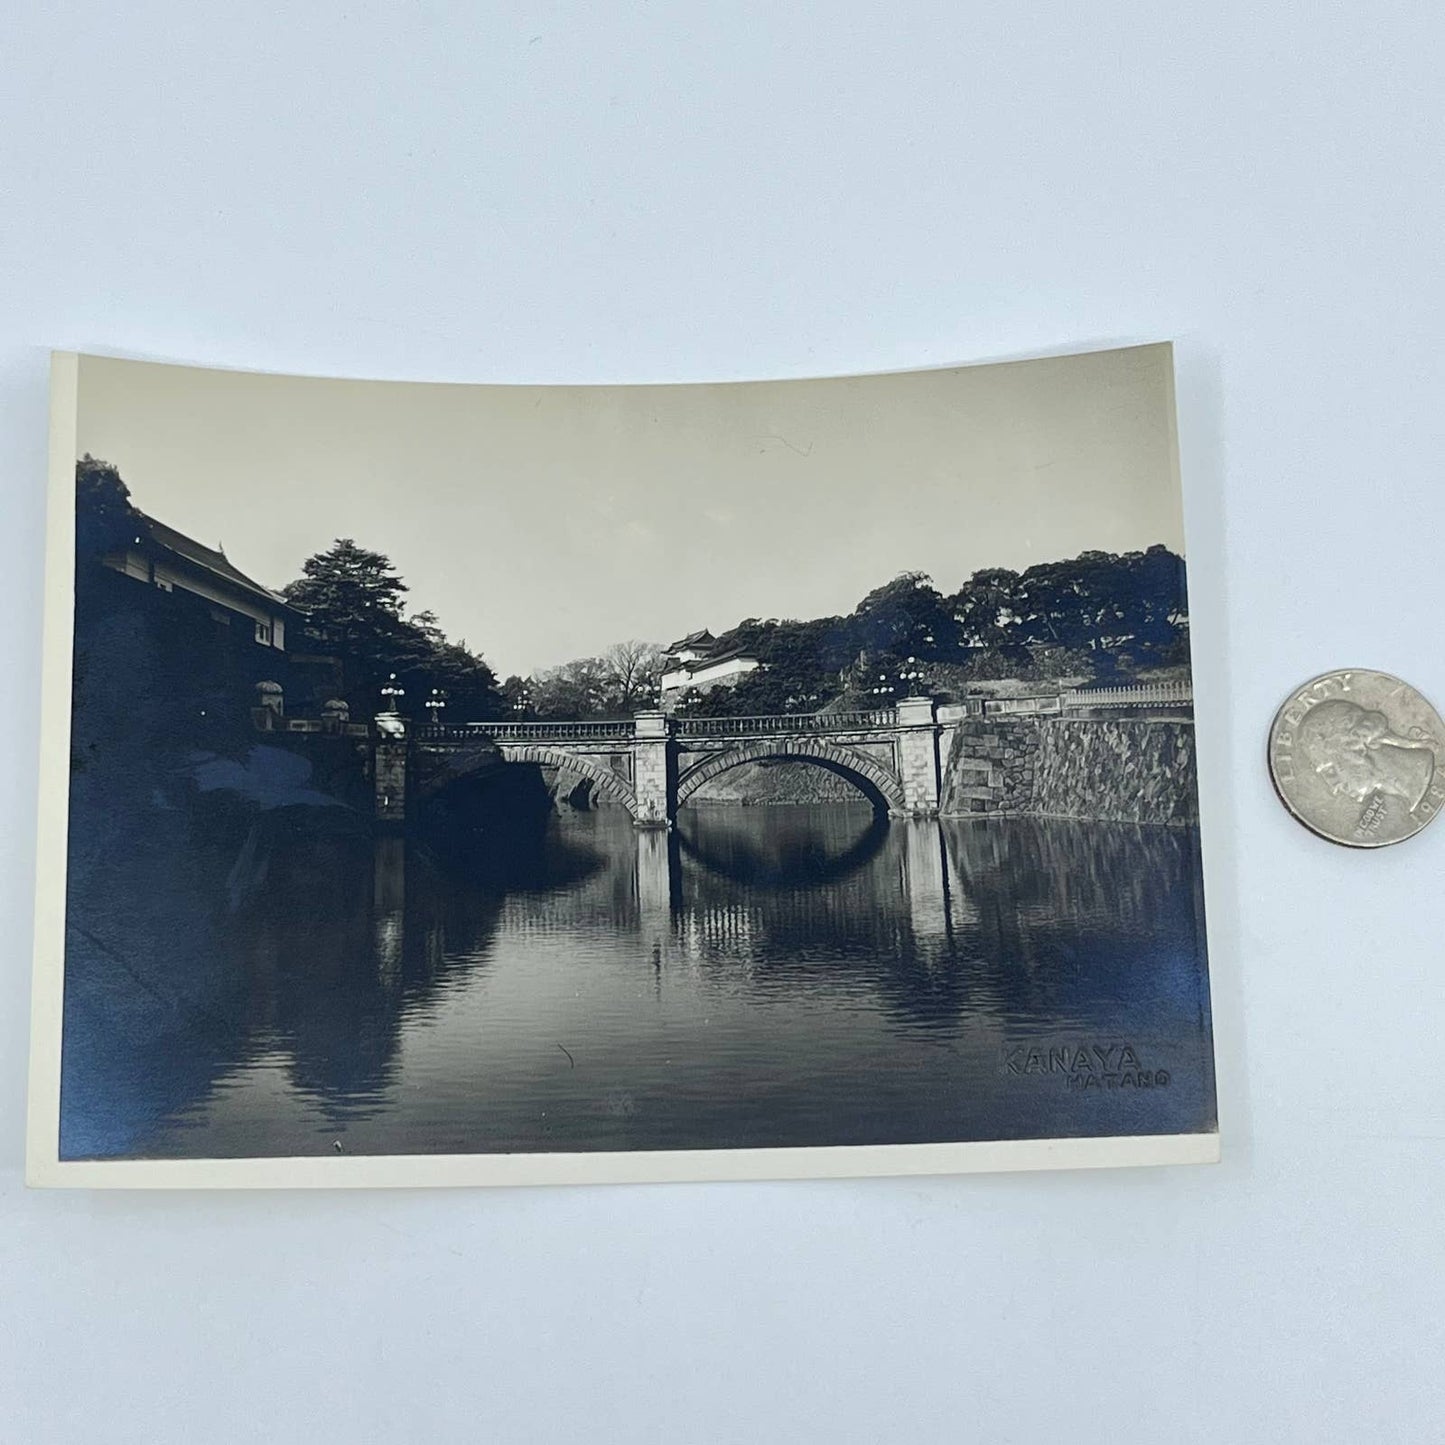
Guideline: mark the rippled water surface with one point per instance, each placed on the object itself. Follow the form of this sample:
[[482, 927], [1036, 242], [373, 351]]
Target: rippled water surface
[[764, 976]]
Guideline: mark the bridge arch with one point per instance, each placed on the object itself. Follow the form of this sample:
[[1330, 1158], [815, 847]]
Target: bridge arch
[[867, 774], [597, 773]]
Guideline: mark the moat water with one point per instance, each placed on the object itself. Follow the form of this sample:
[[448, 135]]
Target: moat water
[[796, 975]]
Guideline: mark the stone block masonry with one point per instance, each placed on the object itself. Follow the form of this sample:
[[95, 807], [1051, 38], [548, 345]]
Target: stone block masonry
[[990, 766], [390, 780], [918, 769], [1130, 770], [654, 772], [1119, 769]]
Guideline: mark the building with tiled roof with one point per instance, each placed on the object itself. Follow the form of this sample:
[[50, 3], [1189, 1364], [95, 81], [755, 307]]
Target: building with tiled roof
[[169, 560], [697, 664]]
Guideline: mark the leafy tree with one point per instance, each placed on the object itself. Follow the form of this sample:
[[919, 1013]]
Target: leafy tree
[[355, 603], [907, 616], [763, 691], [105, 520], [517, 697], [354, 594], [563, 691], [1160, 597], [621, 681], [983, 608], [1128, 611], [466, 683]]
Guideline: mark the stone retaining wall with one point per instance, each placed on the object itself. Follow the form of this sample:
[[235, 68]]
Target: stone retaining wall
[[783, 782], [990, 767], [1116, 769]]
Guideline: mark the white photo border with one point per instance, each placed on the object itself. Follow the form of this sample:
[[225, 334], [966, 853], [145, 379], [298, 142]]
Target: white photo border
[[44, 1167]]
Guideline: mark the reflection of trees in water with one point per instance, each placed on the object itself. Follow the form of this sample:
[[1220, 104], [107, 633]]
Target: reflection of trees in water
[[995, 920], [1001, 919], [601, 897], [1059, 910], [150, 1003], [355, 936], [363, 939], [1113, 871], [303, 938], [834, 913], [312, 943]]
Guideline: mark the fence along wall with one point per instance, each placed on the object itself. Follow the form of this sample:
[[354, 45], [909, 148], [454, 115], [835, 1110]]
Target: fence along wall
[[1175, 697]]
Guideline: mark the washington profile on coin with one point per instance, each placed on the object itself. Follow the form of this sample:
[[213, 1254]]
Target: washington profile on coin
[[1357, 757]]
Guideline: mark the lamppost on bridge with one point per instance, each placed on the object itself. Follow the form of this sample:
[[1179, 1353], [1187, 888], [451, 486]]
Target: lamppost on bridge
[[910, 677], [434, 705], [883, 689], [391, 693]]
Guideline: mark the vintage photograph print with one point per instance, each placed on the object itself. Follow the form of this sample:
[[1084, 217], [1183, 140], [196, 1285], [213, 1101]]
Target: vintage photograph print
[[476, 784]]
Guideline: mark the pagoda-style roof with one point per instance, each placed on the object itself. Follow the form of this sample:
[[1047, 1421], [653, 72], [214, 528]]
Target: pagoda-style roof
[[710, 660], [208, 559], [699, 641]]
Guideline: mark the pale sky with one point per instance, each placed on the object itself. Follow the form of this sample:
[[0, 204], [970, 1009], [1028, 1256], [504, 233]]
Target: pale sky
[[542, 523]]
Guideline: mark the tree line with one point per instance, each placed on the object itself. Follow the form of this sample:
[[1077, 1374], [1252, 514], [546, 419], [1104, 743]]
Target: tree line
[[616, 683], [1101, 615]]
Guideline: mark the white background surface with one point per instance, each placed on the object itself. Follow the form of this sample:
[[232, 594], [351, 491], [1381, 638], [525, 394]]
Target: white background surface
[[619, 192]]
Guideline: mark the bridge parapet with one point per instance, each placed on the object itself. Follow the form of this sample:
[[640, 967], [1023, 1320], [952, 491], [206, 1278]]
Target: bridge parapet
[[530, 732], [655, 725], [780, 724]]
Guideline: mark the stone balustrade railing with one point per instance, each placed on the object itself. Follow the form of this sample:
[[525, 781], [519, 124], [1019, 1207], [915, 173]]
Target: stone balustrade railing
[[1156, 694], [622, 729], [765, 724], [625, 729]]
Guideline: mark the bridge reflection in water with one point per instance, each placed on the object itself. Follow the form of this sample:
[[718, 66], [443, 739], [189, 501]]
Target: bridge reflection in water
[[757, 976]]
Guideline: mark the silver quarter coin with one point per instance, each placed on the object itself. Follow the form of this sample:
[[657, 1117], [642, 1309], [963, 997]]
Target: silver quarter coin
[[1359, 758]]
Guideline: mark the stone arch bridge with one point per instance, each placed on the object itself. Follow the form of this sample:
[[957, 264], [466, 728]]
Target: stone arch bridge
[[651, 764]]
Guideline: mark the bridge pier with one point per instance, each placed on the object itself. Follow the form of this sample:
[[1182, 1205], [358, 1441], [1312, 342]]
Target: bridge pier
[[918, 769], [654, 771], [388, 769]]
